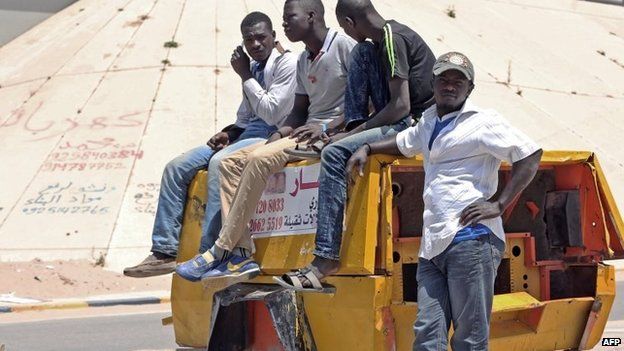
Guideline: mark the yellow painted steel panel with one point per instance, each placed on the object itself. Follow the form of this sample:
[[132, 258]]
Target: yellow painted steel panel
[[404, 317], [190, 305], [550, 157], [351, 318], [605, 293], [279, 254], [561, 325], [514, 302], [522, 278], [612, 212], [520, 321]]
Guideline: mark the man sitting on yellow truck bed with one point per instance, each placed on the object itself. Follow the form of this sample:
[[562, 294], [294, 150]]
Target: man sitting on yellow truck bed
[[268, 84], [405, 62], [463, 239], [321, 79]]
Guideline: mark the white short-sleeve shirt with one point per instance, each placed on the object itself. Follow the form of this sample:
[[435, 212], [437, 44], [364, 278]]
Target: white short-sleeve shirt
[[461, 167]]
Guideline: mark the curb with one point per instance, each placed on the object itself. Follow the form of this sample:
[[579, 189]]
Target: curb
[[100, 302]]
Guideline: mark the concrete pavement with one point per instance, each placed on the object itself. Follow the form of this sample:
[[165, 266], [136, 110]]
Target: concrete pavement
[[92, 105]]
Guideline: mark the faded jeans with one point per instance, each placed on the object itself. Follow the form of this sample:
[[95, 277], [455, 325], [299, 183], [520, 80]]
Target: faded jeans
[[174, 185], [333, 185], [458, 286], [365, 82]]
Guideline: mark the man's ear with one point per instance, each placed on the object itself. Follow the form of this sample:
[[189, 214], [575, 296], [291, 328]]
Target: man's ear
[[311, 16], [472, 86], [350, 21], [274, 35]]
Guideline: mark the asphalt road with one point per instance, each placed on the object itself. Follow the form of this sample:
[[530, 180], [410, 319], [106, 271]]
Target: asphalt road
[[109, 333], [139, 328]]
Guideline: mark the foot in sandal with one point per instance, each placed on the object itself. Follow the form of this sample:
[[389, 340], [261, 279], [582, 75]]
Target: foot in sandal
[[309, 278], [307, 150]]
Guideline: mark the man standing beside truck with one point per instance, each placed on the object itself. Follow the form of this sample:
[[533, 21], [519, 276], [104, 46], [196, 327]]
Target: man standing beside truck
[[463, 239]]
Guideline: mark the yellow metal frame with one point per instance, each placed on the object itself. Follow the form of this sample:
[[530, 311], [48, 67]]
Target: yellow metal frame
[[367, 312], [283, 253]]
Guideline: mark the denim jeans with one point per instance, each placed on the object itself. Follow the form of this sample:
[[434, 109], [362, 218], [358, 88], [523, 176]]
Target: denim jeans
[[212, 218], [365, 81], [333, 185], [176, 179], [457, 286]]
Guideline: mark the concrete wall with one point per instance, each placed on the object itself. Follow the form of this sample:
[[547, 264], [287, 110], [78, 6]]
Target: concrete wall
[[89, 115]]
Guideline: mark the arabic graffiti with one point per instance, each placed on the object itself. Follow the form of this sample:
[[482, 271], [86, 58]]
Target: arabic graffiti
[[69, 198], [94, 155], [146, 198], [80, 166], [102, 144], [51, 128], [91, 155]]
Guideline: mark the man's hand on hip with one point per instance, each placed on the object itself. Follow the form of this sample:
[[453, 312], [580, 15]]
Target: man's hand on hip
[[479, 211]]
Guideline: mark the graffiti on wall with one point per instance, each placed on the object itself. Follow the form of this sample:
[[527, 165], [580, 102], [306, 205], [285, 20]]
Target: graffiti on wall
[[42, 129], [146, 198], [69, 198], [91, 155]]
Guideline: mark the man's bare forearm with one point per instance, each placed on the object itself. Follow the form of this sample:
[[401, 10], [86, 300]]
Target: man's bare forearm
[[294, 120], [397, 108], [522, 173], [299, 113], [385, 146]]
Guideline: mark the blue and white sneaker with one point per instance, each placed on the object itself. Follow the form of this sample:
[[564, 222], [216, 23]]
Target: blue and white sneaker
[[193, 269], [234, 269]]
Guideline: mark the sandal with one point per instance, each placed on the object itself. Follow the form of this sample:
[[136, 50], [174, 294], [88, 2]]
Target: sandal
[[307, 150], [293, 280]]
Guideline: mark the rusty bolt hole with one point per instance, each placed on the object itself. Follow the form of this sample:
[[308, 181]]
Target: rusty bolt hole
[[396, 257]]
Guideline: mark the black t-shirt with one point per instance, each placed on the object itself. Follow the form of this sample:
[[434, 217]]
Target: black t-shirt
[[404, 54]]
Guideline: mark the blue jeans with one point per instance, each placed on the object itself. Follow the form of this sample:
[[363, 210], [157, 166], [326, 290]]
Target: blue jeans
[[458, 286], [176, 179], [333, 185], [365, 81]]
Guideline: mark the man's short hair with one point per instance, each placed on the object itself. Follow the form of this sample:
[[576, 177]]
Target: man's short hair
[[311, 5], [353, 8], [254, 18]]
